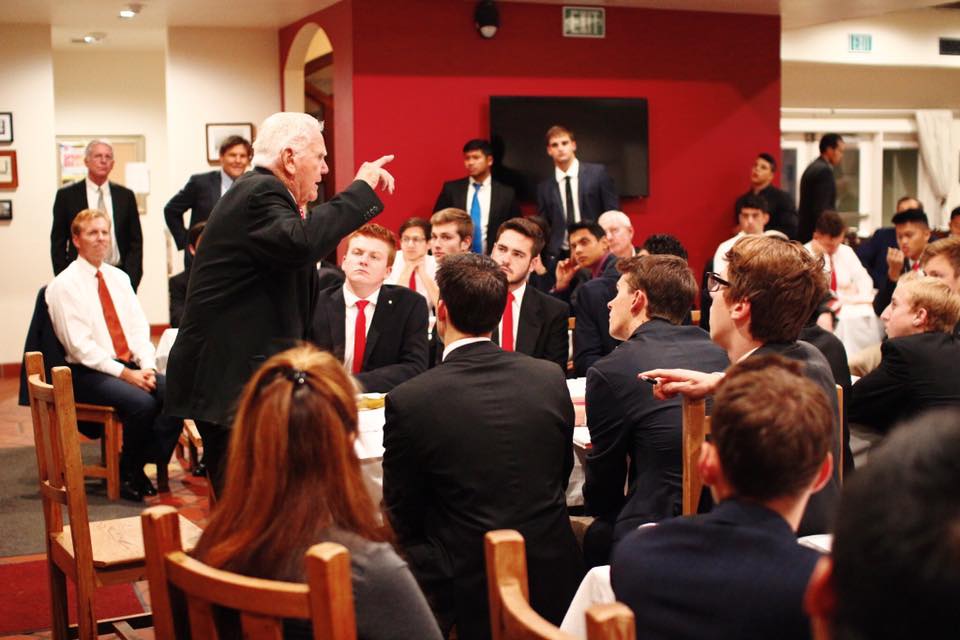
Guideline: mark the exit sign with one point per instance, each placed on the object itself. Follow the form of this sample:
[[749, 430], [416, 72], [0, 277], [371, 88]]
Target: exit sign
[[860, 42], [584, 22]]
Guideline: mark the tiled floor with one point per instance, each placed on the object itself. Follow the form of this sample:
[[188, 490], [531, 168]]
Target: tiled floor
[[187, 494]]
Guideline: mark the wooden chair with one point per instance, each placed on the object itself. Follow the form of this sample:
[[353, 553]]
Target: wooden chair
[[512, 618], [838, 454], [696, 426], [188, 445], [184, 591], [110, 441], [695, 316], [91, 554]]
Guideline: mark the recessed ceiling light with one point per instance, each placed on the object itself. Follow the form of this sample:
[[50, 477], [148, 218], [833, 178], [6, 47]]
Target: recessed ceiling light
[[91, 38], [130, 11]]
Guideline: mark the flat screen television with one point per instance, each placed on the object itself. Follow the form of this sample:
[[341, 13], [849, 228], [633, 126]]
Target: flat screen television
[[609, 131]]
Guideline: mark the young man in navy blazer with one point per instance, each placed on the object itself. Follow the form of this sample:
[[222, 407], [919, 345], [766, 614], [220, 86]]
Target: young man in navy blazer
[[378, 330]]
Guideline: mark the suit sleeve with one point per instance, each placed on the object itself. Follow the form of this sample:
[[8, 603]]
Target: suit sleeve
[[60, 233], [587, 341], [789, 220], [133, 261], [608, 192], [825, 190], [443, 200], [404, 483], [877, 398], [557, 346], [606, 466], [174, 210], [178, 299], [413, 353]]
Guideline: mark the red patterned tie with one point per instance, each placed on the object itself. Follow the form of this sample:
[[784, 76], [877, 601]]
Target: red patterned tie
[[359, 337], [506, 325], [413, 281], [120, 346], [833, 276]]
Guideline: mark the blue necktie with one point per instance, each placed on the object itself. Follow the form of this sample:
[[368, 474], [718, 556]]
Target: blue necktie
[[477, 246]]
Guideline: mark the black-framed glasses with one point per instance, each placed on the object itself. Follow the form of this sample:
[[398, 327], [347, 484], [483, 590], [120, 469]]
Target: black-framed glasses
[[715, 282]]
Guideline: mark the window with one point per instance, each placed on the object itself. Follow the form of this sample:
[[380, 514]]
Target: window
[[900, 170]]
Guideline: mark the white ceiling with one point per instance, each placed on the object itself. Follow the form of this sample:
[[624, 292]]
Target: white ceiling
[[73, 18]]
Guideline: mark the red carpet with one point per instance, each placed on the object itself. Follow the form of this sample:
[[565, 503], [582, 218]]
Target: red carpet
[[25, 598]]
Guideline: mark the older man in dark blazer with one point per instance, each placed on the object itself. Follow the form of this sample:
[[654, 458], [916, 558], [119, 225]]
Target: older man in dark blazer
[[118, 202], [252, 287], [202, 191], [481, 442], [386, 344]]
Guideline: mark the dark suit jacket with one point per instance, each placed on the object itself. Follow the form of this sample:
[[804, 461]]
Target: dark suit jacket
[[734, 573], [633, 435], [199, 195], [818, 517], [70, 201], [396, 348], [818, 192], [783, 214], [916, 373], [597, 194], [591, 335], [833, 350], [252, 288], [503, 204], [873, 254], [481, 442], [177, 287], [542, 330]]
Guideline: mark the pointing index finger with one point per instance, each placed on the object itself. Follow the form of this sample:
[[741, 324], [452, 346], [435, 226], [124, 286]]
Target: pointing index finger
[[382, 160]]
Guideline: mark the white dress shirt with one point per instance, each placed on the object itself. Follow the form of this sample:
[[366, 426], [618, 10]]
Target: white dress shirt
[[73, 301], [350, 318], [561, 178], [720, 257], [399, 264], [93, 198], [462, 342], [854, 284], [515, 308], [484, 198], [225, 182]]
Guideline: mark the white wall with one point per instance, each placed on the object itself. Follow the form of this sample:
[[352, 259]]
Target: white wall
[[27, 92]]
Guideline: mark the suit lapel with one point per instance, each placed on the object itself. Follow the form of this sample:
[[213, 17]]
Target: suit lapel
[[216, 186], [528, 324], [337, 318], [460, 189]]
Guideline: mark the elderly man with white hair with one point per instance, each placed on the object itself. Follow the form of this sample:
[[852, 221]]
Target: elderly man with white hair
[[251, 291], [619, 232]]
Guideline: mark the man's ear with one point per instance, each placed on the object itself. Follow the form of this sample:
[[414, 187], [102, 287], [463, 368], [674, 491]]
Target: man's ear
[[920, 317], [823, 474], [709, 464], [740, 309], [534, 264], [286, 160], [820, 599], [465, 243], [639, 302], [75, 240]]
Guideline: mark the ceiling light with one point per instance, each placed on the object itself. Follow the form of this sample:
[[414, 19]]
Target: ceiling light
[[130, 11], [91, 38], [486, 18]]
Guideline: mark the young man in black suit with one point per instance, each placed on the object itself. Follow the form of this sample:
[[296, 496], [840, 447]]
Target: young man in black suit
[[783, 214], [577, 191], [818, 187], [378, 331], [634, 437], [252, 285], [203, 190], [913, 234], [533, 322], [738, 572], [95, 192], [483, 441], [772, 287], [590, 258], [919, 357], [489, 203]]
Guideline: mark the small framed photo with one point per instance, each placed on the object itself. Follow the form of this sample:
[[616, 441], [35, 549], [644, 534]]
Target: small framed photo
[[6, 127], [218, 132], [8, 169], [6, 209]]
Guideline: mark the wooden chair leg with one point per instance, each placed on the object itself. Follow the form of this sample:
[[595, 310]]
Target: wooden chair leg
[[112, 441], [86, 617], [60, 625]]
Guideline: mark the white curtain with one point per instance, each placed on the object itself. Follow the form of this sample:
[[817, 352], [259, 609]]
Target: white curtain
[[934, 133]]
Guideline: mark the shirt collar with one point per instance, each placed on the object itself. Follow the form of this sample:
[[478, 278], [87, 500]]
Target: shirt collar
[[92, 186], [350, 298], [226, 180], [86, 267], [485, 183], [518, 294], [597, 269], [462, 342], [573, 171]]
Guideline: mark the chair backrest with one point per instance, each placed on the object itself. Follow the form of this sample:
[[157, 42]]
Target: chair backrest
[[59, 464], [838, 457], [512, 617], [185, 591], [696, 426]]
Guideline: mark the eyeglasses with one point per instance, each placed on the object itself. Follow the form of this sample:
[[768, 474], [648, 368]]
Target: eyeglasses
[[412, 240], [715, 282]]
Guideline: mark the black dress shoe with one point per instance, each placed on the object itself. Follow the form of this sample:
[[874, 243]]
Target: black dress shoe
[[129, 491], [143, 483]]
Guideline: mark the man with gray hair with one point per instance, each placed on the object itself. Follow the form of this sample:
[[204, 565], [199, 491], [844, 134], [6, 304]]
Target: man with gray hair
[[619, 232], [95, 192], [252, 284]]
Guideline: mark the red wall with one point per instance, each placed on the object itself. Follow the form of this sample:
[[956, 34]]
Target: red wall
[[422, 78]]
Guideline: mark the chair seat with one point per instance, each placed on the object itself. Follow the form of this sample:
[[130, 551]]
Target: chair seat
[[120, 541]]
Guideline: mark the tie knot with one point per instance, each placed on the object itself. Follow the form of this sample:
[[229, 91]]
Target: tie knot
[[477, 185], [361, 304], [510, 297], [567, 178], [99, 275]]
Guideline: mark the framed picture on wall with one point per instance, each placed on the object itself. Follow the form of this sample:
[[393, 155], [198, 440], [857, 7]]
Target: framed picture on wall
[[8, 169], [6, 209], [218, 132], [6, 127]]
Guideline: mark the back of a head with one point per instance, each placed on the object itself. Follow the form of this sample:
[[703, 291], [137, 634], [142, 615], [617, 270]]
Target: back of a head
[[783, 282], [772, 428], [896, 548], [284, 130], [830, 141], [664, 244], [473, 290], [666, 280]]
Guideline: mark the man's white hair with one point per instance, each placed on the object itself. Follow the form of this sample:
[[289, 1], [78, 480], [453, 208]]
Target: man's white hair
[[95, 142], [614, 215], [284, 130]]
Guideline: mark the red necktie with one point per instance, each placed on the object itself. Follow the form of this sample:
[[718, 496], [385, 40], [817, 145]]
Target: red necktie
[[113, 321], [413, 281], [359, 337], [833, 276], [916, 266], [506, 326]]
